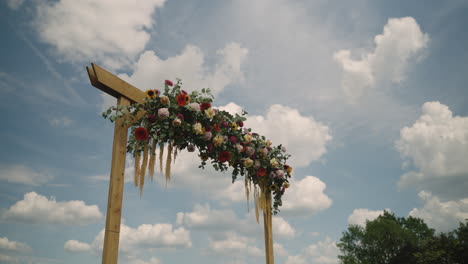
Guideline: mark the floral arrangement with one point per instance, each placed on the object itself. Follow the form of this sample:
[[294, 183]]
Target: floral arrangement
[[181, 120]]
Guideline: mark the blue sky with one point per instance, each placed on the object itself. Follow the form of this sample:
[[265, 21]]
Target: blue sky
[[368, 96]]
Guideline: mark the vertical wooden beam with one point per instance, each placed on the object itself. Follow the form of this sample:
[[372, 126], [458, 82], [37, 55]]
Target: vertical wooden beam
[[267, 224], [110, 251]]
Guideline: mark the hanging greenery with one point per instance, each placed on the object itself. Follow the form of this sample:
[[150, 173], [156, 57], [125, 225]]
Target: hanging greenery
[[179, 120]]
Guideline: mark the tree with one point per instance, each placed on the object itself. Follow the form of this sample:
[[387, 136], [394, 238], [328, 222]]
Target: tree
[[385, 240], [392, 240]]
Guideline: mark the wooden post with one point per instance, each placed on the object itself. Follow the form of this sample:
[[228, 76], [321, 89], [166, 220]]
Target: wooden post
[[267, 217], [110, 251]]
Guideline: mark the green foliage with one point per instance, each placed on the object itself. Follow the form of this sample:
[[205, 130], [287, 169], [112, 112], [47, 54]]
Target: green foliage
[[397, 240]]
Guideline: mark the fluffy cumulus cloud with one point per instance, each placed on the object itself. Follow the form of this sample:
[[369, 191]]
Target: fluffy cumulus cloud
[[190, 66], [22, 174], [395, 49], [306, 197], [437, 146], [150, 71], [143, 237], [304, 137], [76, 246], [361, 215], [279, 250], [203, 217], [233, 244], [322, 252], [10, 245], [35, 208], [443, 216], [101, 31]]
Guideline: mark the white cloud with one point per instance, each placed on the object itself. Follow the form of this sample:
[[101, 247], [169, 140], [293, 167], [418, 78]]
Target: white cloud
[[361, 215], [35, 208], [205, 218], [10, 245], [233, 244], [76, 246], [306, 196], [282, 228], [22, 174], [150, 71], [322, 252], [147, 236], [443, 216], [279, 250], [153, 260], [304, 137], [111, 32], [14, 4], [401, 41], [437, 145]]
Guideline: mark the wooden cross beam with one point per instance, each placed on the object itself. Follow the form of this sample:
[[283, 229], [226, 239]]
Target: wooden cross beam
[[127, 94]]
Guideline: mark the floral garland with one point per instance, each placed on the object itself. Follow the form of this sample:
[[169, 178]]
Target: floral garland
[[188, 121]]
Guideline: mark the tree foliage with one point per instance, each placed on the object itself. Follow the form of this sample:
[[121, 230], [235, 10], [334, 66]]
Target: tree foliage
[[397, 240]]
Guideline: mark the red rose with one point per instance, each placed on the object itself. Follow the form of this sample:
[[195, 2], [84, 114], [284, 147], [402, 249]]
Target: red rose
[[240, 123], [182, 99], [152, 118], [141, 134], [224, 124], [233, 139], [169, 83], [180, 116], [216, 127], [224, 156], [262, 172], [204, 106]]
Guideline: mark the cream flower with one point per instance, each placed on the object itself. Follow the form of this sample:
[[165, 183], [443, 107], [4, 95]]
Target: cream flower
[[177, 122], [218, 140], [248, 162], [198, 129], [164, 100], [210, 113], [274, 163], [248, 138]]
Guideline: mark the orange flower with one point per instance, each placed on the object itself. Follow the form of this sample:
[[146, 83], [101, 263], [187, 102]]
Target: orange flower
[[182, 99], [262, 172]]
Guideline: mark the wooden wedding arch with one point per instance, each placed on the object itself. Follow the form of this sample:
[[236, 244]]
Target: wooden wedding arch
[[127, 94]]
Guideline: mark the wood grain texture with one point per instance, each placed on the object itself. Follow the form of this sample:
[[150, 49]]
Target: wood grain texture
[[113, 85], [114, 202], [267, 224]]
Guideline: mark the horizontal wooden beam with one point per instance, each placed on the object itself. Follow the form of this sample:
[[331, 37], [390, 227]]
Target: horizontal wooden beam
[[113, 85]]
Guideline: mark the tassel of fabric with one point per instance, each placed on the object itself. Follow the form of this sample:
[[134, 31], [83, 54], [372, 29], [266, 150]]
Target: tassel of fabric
[[256, 203], [144, 164], [137, 169], [168, 162], [247, 193], [161, 152], [152, 161], [175, 154]]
